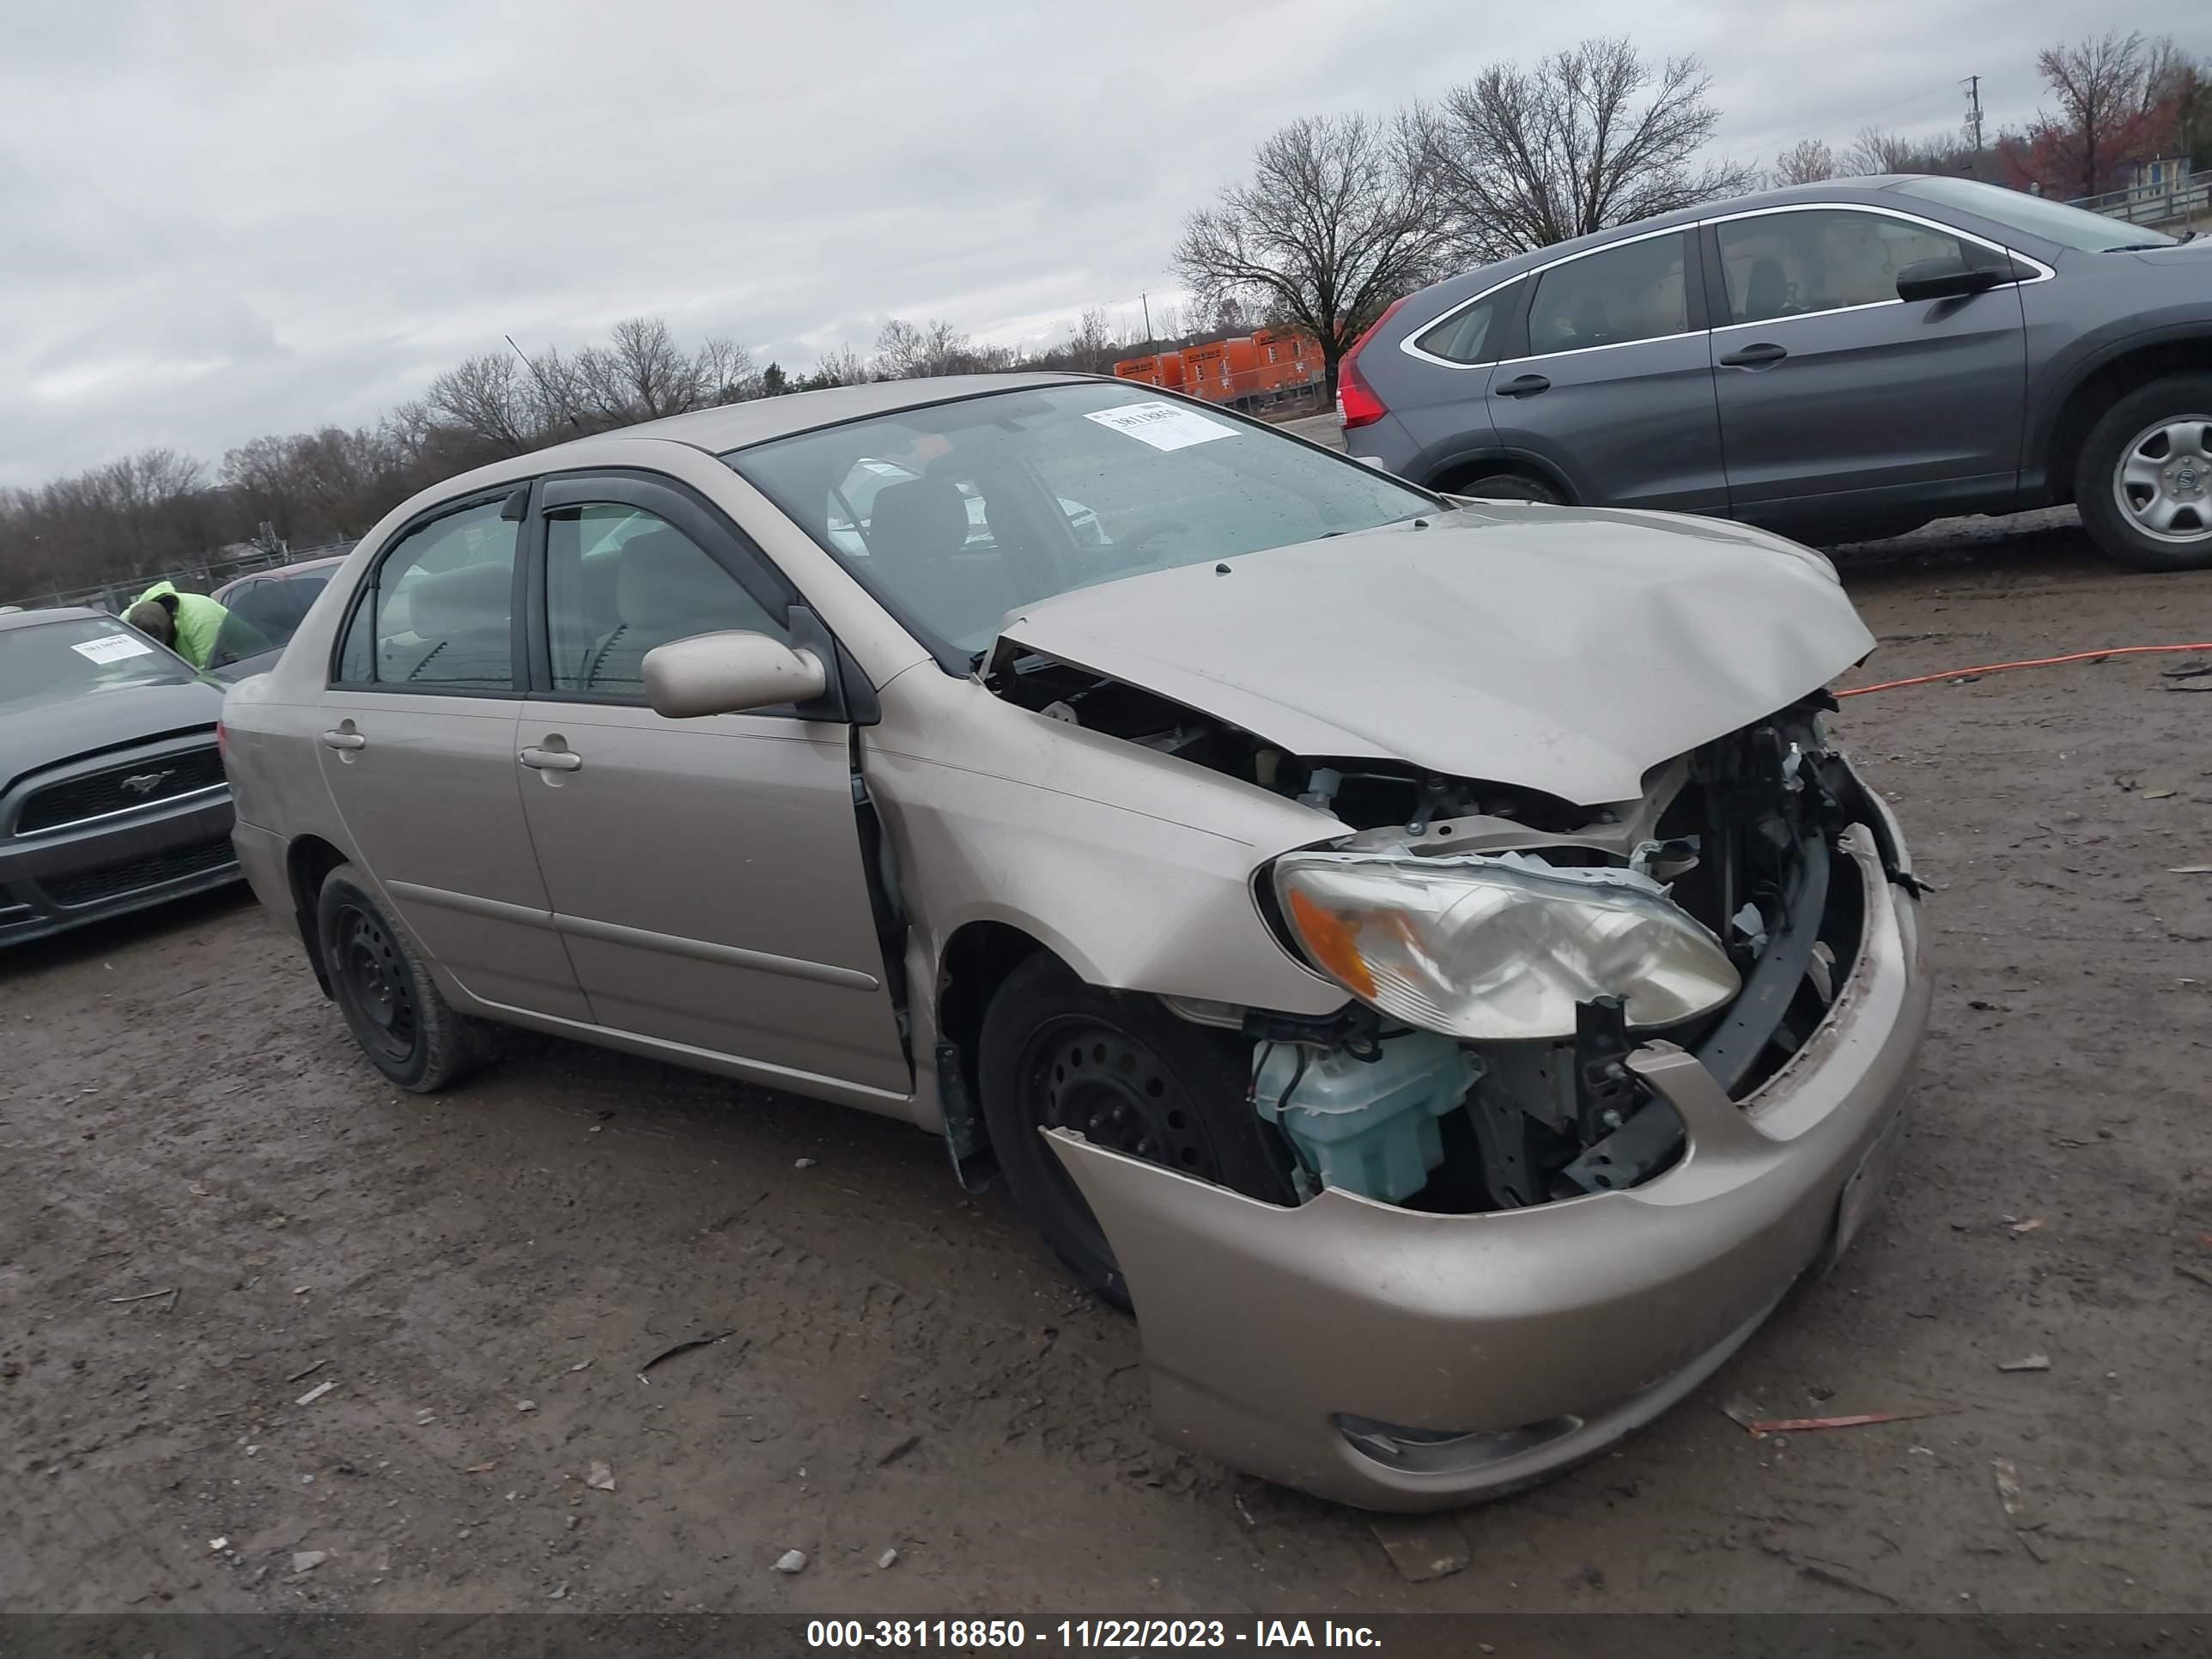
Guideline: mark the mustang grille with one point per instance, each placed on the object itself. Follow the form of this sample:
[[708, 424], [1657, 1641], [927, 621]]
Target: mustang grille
[[119, 788], [108, 881]]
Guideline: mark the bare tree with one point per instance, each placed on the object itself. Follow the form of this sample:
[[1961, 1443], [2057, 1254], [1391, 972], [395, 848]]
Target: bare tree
[[1336, 221], [2099, 87], [905, 351], [490, 398], [1595, 136], [1092, 346], [1808, 161]]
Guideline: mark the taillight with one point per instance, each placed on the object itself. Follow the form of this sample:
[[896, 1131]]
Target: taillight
[[1356, 402]]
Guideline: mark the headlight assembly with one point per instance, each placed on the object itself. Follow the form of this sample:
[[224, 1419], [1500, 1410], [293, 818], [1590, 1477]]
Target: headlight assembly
[[1500, 948]]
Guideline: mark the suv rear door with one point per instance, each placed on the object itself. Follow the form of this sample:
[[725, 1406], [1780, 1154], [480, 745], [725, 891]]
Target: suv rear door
[[1837, 396], [1606, 376]]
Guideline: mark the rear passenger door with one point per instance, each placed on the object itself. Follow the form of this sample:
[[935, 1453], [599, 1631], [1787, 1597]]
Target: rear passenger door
[[705, 875], [1837, 396], [1606, 376]]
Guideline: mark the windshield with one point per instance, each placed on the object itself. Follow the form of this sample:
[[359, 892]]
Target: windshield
[[971, 509], [77, 656], [2054, 222]]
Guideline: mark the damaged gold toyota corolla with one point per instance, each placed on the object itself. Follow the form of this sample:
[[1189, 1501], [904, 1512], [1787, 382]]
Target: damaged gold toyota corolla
[[1422, 954]]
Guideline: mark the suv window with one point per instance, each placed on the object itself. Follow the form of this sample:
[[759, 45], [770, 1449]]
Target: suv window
[[437, 613], [1471, 336], [619, 581], [1790, 264], [1633, 292]]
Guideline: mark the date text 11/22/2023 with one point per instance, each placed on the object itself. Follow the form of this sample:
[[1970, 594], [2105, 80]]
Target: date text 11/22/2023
[[979, 1634]]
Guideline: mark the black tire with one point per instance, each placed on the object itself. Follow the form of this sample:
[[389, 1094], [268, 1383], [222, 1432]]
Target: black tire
[[392, 1006], [1127, 1075], [2177, 400], [1509, 487]]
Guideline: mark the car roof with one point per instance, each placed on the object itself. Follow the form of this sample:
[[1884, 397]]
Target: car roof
[[58, 613]]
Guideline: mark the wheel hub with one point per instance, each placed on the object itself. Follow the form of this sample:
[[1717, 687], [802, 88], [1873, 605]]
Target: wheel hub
[[2164, 479], [1116, 1093], [375, 976]]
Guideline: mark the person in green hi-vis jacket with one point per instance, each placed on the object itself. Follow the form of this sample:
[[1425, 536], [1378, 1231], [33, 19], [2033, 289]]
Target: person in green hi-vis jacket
[[189, 624]]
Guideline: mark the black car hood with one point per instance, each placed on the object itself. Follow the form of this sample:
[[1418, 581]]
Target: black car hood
[[44, 734]]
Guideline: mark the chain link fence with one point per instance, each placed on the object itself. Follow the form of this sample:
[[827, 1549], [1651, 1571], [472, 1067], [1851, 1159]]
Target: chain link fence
[[195, 576]]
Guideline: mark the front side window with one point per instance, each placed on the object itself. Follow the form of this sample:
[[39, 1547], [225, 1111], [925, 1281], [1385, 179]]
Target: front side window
[[1790, 264], [997, 501], [77, 656], [620, 580], [438, 612], [1632, 292], [1471, 336]]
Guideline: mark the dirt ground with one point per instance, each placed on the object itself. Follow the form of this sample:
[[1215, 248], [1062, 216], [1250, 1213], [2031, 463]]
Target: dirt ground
[[483, 1277]]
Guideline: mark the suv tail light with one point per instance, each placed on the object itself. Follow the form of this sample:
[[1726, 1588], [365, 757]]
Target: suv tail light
[[1356, 402]]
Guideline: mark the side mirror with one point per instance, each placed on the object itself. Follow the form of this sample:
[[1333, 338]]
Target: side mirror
[[1946, 279], [729, 673]]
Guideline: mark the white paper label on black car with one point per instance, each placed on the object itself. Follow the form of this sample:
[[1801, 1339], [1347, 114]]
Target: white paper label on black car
[[111, 647], [1163, 426]]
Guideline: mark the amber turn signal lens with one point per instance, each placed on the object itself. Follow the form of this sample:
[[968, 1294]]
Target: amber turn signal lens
[[1330, 941]]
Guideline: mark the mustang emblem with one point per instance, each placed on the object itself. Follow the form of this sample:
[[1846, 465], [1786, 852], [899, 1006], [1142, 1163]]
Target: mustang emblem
[[145, 783]]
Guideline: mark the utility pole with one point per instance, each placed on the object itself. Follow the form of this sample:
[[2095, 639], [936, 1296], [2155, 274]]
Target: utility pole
[[1974, 117], [1144, 299]]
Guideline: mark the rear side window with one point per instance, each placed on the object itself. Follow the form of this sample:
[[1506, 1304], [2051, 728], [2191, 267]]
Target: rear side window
[[1471, 336], [1632, 292], [438, 613], [1792, 264], [265, 614]]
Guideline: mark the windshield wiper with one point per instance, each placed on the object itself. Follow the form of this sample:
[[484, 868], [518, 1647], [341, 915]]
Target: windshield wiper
[[2143, 247]]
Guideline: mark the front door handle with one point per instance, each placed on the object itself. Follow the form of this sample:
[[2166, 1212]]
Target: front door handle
[[1525, 386], [1755, 357], [344, 740], [552, 760]]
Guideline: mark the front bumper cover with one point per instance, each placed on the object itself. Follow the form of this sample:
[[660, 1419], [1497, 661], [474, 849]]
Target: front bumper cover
[[1265, 1328]]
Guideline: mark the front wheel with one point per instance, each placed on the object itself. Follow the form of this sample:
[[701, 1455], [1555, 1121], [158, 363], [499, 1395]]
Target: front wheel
[[394, 1009], [1126, 1075], [2144, 484]]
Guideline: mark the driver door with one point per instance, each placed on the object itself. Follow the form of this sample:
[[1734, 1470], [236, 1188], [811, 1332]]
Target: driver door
[[705, 874]]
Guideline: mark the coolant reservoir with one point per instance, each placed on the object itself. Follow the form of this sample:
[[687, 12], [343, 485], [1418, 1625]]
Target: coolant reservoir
[[1369, 1126]]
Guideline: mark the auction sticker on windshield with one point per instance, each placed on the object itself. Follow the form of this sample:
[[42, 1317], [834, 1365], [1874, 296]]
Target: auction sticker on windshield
[[1163, 426], [111, 647]]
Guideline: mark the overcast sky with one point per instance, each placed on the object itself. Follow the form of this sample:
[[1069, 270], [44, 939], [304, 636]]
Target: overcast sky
[[229, 217]]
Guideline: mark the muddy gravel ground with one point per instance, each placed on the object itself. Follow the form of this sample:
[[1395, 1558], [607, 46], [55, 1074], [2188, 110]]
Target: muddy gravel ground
[[482, 1279]]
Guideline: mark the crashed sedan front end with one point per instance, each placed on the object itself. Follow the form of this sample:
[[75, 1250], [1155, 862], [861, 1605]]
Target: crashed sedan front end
[[1537, 1249]]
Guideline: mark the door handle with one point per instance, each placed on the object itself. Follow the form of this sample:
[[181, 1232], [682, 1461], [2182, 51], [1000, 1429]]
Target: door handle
[[344, 740], [1755, 357], [552, 760], [1525, 386]]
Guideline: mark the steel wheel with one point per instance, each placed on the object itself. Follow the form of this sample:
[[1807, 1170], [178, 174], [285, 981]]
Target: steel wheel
[[373, 977], [2163, 482], [1099, 1080]]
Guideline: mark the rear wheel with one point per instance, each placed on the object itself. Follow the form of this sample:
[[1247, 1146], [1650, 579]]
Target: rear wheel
[[1126, 1075], [1509, 487], [2144, 484], [404, 1024]]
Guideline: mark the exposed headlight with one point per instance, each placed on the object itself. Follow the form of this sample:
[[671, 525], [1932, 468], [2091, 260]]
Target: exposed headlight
[[1500, 948]]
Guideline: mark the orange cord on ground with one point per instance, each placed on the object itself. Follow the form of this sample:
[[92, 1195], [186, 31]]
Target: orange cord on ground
[[2034, 662]]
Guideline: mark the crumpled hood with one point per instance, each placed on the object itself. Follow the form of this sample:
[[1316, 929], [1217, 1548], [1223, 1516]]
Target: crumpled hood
[[44, 734], [1564, 650]]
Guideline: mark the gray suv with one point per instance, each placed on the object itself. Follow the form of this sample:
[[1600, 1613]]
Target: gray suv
[[1835, 361]]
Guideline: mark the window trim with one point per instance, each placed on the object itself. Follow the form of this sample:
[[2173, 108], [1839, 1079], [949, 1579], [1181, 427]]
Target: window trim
[[364, 590], [2043, 274], [710, 529], [1712, 226]]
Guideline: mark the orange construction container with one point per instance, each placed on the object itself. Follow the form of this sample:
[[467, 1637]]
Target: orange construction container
[[1241, 357], [1286, 360], [1206, 371], [1164, 368]]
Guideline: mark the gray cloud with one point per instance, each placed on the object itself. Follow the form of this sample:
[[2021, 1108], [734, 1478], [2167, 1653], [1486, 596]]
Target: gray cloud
[[252, 216]]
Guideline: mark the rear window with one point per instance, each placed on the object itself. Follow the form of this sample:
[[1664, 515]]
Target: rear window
[[80, 656]]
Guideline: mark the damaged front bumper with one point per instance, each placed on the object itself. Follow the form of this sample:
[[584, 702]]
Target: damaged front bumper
[[1396, 1359]]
